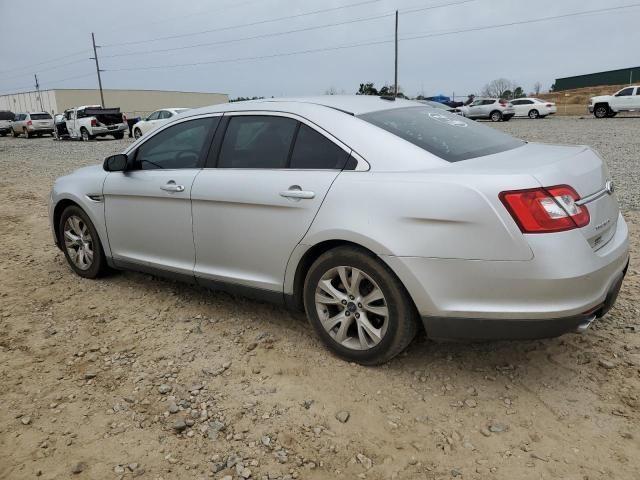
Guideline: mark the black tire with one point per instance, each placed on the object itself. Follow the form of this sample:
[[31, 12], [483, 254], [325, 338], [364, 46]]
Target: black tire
[[506, 118], [402, 322], [84, 135], [118, 136], [3, 134], [495, 116], [533, 114], [612, 114], [601, 111], [14, 134], [99, 265], [137, 133]]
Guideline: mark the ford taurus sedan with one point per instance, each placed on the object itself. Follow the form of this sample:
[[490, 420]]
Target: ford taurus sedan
[[374, 216]]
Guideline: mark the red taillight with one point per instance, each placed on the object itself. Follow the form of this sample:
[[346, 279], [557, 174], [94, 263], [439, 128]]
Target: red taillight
[[94, 122], [29, 123], [546, 210], [502, 102]]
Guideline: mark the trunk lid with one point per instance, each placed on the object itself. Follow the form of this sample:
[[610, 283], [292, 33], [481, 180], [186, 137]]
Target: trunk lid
[[577, 166]]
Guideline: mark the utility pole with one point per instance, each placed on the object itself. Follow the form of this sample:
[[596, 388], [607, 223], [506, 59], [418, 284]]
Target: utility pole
[[395, 83], [35, 75], [95, 57]]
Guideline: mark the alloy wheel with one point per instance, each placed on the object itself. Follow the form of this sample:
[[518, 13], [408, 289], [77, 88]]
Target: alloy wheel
[[78, 242], [352, 308], [137, 133]]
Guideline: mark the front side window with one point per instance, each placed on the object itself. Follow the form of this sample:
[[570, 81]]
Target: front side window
[[179, 146], [625, 93], [165, 114], [488, 102], [313, 150], [441, 133], [257, 141]]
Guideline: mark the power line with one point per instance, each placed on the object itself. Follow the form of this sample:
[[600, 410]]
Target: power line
[[60, 80], [286, 32], [56, 67], [372, 43], [42, 63], [251, 24]]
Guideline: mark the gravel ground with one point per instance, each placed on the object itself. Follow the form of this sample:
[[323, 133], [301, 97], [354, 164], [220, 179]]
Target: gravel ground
[[131, 376]]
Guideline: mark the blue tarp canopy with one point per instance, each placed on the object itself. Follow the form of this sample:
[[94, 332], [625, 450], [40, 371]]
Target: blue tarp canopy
[[439, 98]]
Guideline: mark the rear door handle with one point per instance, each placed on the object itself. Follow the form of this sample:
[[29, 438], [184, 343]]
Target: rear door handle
[[172, 187], [296, 192]]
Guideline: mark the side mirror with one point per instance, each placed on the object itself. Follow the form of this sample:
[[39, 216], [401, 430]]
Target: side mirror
[[116, 163]]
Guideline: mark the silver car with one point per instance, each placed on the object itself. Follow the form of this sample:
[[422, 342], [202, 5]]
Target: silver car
[[376, 217], [493, 109], [32, 124]]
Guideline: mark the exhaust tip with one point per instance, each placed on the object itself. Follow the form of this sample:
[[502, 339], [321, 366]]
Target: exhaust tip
[[584, 326]]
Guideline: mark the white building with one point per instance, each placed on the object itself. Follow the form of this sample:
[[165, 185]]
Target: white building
[[131, 102]]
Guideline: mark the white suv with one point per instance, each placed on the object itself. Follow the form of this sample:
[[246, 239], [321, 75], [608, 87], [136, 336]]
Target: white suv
[[626, 100], [30, 124]]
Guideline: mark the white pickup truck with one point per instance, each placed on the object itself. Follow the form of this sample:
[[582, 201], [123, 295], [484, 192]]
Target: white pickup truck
[[91, 121], [626, 100]]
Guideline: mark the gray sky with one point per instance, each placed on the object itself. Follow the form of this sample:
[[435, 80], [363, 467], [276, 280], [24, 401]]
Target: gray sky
[[460, 63]]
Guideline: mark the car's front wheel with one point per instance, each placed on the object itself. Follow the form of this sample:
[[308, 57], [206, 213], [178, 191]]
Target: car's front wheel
[[81, 244], [137, 133], [495, 116], [358, 307], [601, 111]]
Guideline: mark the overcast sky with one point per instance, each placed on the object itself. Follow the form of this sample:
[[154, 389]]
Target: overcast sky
[[39, 31]]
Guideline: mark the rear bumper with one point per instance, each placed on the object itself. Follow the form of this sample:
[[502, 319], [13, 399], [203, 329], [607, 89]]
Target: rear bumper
[[98, 131], [501, 329], [564, 284]]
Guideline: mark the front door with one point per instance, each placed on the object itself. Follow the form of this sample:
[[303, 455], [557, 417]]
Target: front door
[[148, 207], [623, 100], [250, 212]]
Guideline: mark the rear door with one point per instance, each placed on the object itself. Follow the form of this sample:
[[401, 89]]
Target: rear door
[[264, 185], [636, 99], [148, 207]]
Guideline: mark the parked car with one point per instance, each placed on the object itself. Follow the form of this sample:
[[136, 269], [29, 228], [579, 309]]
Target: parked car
[[608, 106], [91, 121], [6, 117], [493, 109], [157, 118], [533, 108], [441, 106], [30, 124], [373, 216]]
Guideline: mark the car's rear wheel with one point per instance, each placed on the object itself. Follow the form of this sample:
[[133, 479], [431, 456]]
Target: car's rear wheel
[[495, 116], [81, 244], [84, 133], [601, 111], [533, 114], [358, 307], [26, 133], [118, 136], [137, 133]]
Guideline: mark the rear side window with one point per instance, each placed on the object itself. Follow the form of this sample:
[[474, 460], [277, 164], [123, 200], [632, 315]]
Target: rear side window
[[313, 150], [256, 141], [441, 133], [40, 116]]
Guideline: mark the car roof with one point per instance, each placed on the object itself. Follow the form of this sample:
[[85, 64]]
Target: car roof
[[350, 104]]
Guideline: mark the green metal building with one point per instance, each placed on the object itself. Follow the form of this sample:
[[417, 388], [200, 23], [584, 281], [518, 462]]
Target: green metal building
[[612, 77]]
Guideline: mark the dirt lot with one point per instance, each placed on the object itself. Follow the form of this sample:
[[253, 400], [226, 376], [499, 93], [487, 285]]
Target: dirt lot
[[132, 376]]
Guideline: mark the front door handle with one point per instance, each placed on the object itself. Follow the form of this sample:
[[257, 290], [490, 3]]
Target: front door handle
[[172, 187], [296, 192]]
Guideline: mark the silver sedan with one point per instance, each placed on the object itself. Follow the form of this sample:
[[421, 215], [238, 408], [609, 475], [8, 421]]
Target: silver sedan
[[376, 217]]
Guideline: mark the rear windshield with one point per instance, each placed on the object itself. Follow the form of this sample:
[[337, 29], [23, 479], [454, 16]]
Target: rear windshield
[[5, 115], [451, 137], [40, 116]]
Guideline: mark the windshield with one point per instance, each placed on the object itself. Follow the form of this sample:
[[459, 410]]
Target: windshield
[[446, 135], [434, 104], [40, 116]]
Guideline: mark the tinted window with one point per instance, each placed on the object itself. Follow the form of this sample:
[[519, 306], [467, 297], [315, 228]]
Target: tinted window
[[526, 102], [154, 116], [488, 102], [638, 91], [179, 146], [5, 115], [164, 114], [625, 93], [313, 150], [444, 134], [517, 102], [40, 116], [257, 142]]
